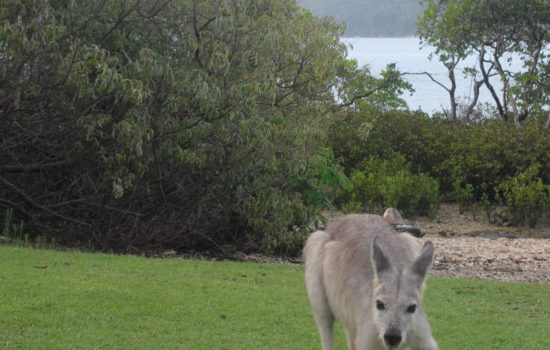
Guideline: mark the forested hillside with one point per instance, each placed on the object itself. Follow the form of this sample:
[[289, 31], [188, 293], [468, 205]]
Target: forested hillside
[[370, 18]]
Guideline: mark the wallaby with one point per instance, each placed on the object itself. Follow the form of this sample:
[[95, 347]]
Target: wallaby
[[369, 277]]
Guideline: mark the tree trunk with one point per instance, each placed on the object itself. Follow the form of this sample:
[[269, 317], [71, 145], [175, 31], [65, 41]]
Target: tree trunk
[[470, 109], [515, 111], [452, 91], [489, 85]]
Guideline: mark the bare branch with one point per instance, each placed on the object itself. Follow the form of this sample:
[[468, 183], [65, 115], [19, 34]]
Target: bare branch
[[118, 210], [27, 168], [369, 93], [33, 203], [470, 108], [358, 97], [488, 83], [9, 204], [429, 75], [197, 33], [120, 20]]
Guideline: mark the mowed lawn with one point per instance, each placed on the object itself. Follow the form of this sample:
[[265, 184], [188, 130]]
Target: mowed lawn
[[70, 300]]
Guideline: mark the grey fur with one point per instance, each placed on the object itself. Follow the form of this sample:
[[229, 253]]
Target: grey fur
[[358, 263], [393, 217]]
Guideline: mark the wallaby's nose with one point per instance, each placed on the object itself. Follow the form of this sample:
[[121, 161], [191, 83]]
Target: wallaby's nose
[[392, 338]]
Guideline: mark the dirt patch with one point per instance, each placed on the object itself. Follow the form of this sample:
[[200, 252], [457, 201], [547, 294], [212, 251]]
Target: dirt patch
[[469, 246], [449, 223], [505, 259]]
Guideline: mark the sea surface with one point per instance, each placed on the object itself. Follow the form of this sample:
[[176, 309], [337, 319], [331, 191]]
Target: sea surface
[[410, 56]]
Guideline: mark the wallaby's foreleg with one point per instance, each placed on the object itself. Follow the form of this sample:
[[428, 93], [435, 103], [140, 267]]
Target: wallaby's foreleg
[[351, 339], [325, 321], [421, 336]]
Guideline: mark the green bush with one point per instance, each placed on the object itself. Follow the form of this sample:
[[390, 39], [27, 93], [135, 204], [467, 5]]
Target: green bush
[[147, 125], [349, 137], [482, 153], [424, 141], [526, 196], [463, 195], [489, 152], [391, 183]]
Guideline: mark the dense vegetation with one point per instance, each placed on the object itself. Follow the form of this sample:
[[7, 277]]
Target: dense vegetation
[[180, 124], [163, 123], [132, 126], [485, 161], [370, 18]]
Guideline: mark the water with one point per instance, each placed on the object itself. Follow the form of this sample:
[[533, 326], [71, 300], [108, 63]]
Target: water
[[410, 57]]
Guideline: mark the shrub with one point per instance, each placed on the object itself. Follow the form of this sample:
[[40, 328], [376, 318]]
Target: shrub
[[424, 141], [349, 137], [489, 152], [483, 153], [158, 125], [391, 183], [463, 195], [526, 196]]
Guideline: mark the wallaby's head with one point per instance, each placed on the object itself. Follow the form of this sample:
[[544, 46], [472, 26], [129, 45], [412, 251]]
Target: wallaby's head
[[397, 294]]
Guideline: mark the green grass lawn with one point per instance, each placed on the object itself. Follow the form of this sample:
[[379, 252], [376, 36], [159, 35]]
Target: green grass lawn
[[99, 301]]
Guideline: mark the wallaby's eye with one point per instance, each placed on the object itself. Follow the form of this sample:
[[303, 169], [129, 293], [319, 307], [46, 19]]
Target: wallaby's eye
[[411, 309], [380, 305]]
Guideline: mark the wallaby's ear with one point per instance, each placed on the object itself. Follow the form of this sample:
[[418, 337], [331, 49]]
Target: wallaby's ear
[[422, 264], [392, 216], [379, 259]]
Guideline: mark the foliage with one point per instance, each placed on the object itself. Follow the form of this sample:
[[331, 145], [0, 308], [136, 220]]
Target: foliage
[[488, 153], [494, 30], [391, 183], [91, 301], [482, 153], [158, 124], [423, 140], [362, 91], [470, 160], [349, 136], [526, 196], [463, 195]]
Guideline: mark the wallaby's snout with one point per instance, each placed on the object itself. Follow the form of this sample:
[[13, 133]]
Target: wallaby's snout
[[392, 337]]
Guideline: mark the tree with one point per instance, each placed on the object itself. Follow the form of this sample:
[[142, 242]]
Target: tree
[[359, 89], [139, 125], [166, 124], [494, 31], [441, 27]]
